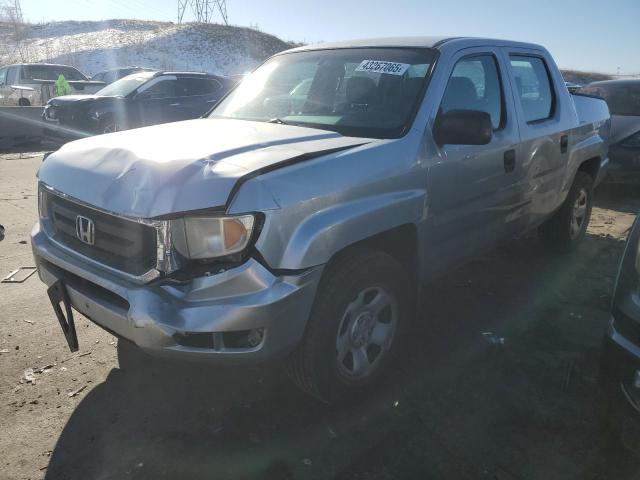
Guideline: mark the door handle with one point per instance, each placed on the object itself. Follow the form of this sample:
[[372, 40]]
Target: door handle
[[509, 160], [564, 143], [174, 105]]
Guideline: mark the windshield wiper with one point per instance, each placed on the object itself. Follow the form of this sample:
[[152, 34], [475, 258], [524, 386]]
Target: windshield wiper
[[277, 120]]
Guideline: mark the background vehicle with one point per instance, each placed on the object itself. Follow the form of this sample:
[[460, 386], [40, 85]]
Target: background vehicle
[[621, 357], [623, 98], [144, 98], [572, 87], [306, 228], [110, 76], [34, 83]]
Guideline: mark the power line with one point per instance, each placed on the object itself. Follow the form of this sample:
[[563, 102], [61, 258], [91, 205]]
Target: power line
[[203, 10]]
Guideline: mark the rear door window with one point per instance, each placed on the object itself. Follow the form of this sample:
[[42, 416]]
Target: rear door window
[[12, 75], [475, 85], [190, 87], [3, 76], [533, 87]]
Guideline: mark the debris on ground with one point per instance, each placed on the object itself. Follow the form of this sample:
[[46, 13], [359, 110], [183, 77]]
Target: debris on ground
[[29, 376], [76, 392], [83, 354], [44, 369], [493, 339], [4, 350], [19, 275], [567, 376], [26, 320]]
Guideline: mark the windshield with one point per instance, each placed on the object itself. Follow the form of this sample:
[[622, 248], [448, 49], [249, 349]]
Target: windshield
[[126, 85], [622, 98], [367, 92]]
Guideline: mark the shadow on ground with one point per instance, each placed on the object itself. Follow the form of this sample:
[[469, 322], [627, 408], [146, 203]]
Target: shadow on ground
[[464, 404]]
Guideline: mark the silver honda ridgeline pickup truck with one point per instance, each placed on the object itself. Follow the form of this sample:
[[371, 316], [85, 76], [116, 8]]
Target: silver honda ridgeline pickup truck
[[300, 217]]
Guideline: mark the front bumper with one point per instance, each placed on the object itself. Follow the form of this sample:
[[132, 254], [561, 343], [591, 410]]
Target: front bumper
[[164, 318]]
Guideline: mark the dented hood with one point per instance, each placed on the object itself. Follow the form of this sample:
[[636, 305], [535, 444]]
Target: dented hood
[[177, 167]]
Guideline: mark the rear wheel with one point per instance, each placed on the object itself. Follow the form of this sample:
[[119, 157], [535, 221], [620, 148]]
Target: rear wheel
[[361, 313], [568, 226]]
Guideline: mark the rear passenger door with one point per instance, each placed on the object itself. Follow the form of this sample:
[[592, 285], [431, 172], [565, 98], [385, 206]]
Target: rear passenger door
[[475, 191], [544, 138]]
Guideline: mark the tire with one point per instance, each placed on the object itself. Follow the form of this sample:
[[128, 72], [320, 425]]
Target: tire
[[568, 226], [359, 319]]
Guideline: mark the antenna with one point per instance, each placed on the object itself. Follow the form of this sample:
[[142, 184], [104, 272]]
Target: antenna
[[203, 10]]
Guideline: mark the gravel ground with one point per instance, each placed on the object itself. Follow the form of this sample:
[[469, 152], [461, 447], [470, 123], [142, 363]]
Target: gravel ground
[[464, 405]]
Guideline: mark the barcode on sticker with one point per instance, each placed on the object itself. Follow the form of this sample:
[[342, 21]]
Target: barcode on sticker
[[378, 66]]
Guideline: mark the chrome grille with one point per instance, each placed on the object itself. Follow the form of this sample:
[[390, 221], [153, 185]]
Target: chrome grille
[[119, 243]]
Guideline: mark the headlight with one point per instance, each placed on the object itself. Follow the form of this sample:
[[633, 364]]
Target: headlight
[[42, 203], [50, 112], [210, 237], [632, 141]]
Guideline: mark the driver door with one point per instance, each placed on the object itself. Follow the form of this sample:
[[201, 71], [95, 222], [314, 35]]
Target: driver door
[[155, 99], [475, 197]]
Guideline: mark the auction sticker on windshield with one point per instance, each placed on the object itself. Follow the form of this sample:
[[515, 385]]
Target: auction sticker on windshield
[[378, 66]]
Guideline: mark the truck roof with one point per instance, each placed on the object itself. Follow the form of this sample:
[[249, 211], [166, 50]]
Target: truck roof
[[421, 42]]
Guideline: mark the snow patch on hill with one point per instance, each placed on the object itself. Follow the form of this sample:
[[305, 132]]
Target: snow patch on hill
[[95, 46]]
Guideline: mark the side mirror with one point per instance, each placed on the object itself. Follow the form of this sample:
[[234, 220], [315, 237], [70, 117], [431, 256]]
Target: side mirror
[[463, 127]]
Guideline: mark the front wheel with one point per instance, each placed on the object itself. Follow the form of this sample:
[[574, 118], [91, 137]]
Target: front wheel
[[361, 313], [568, 226]]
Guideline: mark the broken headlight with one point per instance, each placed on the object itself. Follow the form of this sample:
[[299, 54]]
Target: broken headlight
[[199, 238]]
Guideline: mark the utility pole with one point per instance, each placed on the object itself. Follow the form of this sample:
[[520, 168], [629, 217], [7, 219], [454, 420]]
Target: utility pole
[[203, 10]]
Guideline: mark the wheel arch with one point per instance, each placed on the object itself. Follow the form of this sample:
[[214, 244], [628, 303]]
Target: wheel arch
[[386, 222], [591, 166], [401, 243]]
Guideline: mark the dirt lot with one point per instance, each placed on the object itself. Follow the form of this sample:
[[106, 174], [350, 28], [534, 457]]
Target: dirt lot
[[463, 406]]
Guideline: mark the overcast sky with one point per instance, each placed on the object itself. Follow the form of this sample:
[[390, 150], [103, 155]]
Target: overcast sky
[[601, 35]]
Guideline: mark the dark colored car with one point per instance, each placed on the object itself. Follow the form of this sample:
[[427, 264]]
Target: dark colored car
[[111, 75], [141, 99], [623, 98], [621, 359], [572, 87]]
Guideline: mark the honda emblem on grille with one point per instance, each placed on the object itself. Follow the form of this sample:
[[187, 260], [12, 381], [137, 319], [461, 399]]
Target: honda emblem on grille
[[85, 230]]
